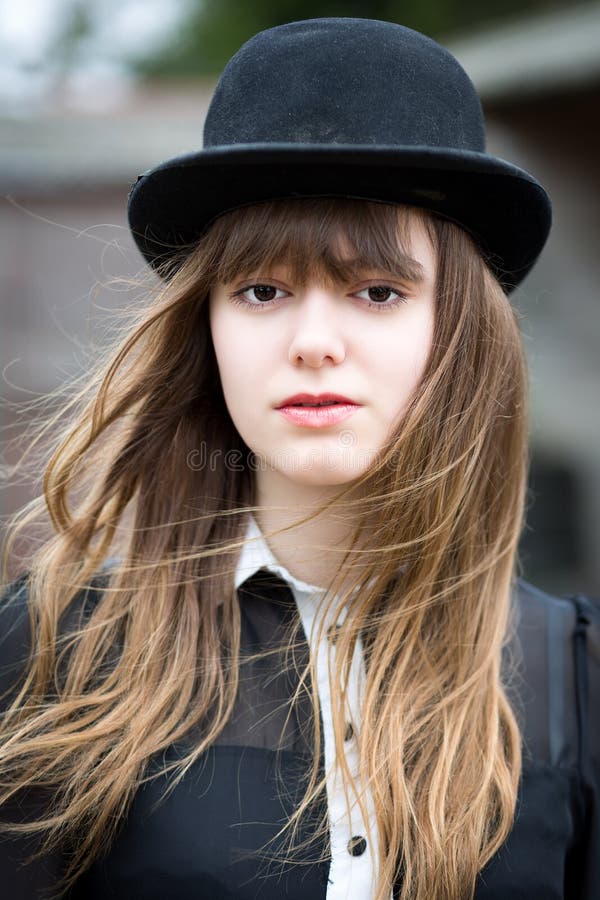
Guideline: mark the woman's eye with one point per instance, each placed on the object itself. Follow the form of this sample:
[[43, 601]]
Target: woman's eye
[[261, 293], [379, 294]]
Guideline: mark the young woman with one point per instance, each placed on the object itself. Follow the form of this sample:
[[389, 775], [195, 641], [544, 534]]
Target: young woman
[[276, 646]]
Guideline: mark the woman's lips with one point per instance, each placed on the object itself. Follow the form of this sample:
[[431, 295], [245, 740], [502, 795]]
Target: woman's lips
[[318, 416]]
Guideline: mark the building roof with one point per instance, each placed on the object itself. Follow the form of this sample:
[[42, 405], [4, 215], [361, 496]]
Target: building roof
[[552, 51], [70, 148]]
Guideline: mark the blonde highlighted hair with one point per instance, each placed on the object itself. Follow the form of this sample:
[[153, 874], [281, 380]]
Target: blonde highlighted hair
[[159, 653]]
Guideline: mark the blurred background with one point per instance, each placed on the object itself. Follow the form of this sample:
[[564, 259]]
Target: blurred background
[[93, 92]]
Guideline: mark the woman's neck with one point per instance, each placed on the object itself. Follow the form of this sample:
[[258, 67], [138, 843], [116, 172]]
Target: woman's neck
[[311, 551]]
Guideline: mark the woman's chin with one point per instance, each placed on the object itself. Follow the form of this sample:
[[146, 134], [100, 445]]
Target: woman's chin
[[313, 472]]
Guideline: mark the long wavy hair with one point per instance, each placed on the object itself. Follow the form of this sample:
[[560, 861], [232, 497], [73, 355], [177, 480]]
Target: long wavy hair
[[159, 654]]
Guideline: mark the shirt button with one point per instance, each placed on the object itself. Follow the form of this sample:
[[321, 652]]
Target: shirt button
[[349, 734], [332, 633], [357, 845]]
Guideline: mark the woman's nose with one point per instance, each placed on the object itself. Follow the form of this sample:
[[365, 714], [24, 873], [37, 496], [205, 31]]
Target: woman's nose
[[317, 335]]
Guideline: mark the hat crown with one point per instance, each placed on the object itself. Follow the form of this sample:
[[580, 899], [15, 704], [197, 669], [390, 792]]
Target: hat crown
[[345, 81]]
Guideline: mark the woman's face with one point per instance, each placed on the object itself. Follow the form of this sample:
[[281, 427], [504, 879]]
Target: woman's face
[[367, 341]]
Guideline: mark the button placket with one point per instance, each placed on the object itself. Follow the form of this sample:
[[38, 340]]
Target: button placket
[[357, 852], [350, 873]]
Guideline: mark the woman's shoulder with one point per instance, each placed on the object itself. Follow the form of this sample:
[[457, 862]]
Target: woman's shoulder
[[554, 677]]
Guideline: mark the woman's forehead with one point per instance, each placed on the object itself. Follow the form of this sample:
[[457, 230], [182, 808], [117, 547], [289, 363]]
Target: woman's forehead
[[348, 268], [390, 240]]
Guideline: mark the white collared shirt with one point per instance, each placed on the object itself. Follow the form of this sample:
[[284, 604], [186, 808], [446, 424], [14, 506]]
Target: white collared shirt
[[350, 877]]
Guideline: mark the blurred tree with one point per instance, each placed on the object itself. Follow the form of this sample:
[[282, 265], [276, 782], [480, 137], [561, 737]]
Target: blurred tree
[[65, 46], [214, 29]]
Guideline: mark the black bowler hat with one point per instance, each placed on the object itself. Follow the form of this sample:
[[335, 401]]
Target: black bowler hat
[[343, 107]]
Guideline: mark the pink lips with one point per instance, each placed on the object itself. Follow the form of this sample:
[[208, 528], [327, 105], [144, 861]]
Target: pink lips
[[317, 416]]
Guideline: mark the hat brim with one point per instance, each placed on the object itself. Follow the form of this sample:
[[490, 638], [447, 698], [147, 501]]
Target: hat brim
[[503, 207]]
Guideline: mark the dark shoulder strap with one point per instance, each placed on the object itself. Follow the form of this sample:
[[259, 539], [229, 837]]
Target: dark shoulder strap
[[587, 665], [556, 688], [543, 683]]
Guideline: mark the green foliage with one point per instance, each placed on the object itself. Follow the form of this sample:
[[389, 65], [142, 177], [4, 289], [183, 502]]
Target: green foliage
[[78, 26]]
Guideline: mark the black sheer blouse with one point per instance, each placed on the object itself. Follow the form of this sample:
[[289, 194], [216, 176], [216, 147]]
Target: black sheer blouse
[[207, 840]]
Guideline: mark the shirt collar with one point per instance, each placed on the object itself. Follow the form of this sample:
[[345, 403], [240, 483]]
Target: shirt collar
[[256, 554]]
